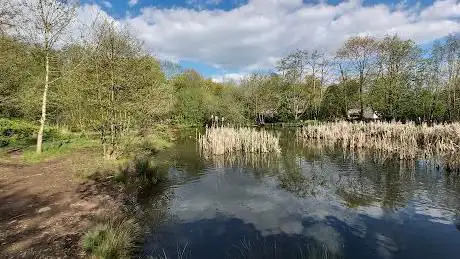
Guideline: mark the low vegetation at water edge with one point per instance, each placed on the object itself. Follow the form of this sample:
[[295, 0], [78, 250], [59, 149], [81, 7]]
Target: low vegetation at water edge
[[112, 239], [406, 141], [228, 140]]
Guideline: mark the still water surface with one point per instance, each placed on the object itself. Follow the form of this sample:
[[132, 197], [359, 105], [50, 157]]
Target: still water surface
[[305, 203]]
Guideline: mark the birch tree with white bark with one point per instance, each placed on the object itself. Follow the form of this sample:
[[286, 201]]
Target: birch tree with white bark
[[45, 22]]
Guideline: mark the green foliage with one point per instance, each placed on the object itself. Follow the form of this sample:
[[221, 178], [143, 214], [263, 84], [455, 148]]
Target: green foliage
[[148, 144], [110, 86], [58, 141], [146, 172], [333, 105], [58, 148], [115, 89], [112, 239], [191, 106], [199, 98], [141, 171], [20, 72], [12, 131], [21, 133], [143, 168], [137, 167]]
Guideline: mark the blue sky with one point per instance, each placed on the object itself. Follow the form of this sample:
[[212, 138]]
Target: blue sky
[[230, 38]]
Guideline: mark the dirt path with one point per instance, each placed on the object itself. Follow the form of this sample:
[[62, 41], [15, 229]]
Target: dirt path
[[45, 210]]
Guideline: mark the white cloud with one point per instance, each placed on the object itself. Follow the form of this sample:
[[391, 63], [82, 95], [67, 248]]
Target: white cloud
[[254, 35], [87, 16], [442, 9], [79, 30], [107, 4], [235, 77], [132, 2]]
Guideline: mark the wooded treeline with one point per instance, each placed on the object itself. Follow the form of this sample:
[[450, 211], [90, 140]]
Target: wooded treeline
[[396, 78], [106, 82]]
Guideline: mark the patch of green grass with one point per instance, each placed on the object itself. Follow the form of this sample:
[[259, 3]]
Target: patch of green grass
[[138, 172], [57, 149], [114, 238], [97, 167], [158, 142], [149, 144], [21, 135], [138, 166]]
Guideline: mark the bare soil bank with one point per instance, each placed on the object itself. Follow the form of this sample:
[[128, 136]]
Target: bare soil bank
[[45, 210]]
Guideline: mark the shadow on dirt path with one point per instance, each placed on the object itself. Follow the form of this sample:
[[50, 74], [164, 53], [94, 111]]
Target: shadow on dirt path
[[44, 210]]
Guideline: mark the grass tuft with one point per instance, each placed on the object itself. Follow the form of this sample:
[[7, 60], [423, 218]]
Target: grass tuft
[[142, 171], [114, 238]]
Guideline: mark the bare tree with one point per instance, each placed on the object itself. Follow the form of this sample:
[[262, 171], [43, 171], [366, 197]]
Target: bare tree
[[452, 52], [8, 12], [293, 66], [359, 54], [49, 20], [318, 65]]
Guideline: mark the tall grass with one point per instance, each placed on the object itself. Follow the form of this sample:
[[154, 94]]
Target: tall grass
[[58, 148], [114, 238], [228, 140], [390, 140]]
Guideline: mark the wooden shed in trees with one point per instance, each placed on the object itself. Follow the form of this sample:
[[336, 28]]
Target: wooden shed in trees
[[368, 114]]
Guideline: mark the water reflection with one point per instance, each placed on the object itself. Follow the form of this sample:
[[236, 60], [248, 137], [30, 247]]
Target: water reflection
[[457, 224], [306, 203]]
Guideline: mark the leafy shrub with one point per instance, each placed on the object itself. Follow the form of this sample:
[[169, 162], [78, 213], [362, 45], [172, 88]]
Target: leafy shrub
[[23, 132], [144, 145], [12, 131], [142, 171]]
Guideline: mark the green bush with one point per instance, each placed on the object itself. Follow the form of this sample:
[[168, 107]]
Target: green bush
[[12, 131], [150, 144], [22, 132], [142, 171]]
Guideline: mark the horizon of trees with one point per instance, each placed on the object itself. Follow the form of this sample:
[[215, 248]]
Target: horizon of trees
[[395, 77], [107, 82]]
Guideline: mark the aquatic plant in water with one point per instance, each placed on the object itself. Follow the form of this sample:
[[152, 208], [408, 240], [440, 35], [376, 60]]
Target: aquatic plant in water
[[406, 141], [229, 140]]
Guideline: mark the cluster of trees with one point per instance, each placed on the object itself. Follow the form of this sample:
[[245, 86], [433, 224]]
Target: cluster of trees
[[106, 82], [395, 77], [103, 82]]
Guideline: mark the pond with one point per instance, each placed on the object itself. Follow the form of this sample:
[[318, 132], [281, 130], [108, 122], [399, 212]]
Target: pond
[[306, 202]]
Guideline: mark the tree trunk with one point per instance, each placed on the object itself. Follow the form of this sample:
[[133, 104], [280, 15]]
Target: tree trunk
[[45, 93], [296, 108], [361, 85], [113, 142], [344, 91]]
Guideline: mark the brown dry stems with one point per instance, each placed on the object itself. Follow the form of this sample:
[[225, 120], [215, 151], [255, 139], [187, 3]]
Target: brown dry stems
[[228, 140]]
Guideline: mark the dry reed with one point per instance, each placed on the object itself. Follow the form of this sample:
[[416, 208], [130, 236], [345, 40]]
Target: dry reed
[[228, 140], [389, 140]]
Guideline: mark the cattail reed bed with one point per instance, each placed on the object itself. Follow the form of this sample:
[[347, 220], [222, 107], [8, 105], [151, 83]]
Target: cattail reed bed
[[440, 142], [228, 140]]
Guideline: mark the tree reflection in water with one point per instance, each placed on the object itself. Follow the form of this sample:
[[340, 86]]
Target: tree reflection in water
[[246, 206]]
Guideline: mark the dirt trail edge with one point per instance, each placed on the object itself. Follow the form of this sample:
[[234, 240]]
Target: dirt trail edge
[[45, 210]]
